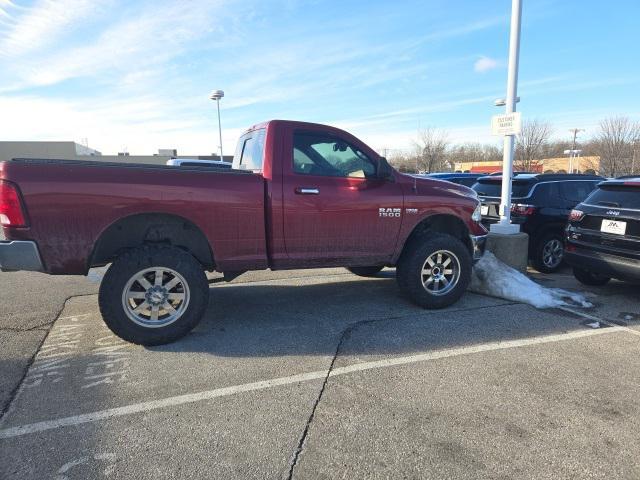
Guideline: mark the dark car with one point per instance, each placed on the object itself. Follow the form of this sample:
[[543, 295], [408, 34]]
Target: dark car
[[603, 235], [541, 204], [466, 179]]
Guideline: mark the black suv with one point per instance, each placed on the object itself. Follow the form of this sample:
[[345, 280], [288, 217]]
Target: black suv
[[541, 204], [603, 235]]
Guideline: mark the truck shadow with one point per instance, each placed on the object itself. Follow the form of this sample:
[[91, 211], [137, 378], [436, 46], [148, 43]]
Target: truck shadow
[[269, 320]]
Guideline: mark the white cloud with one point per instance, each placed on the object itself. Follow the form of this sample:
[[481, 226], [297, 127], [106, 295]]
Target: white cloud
[[137, 123], [484, 64], [35, 27]]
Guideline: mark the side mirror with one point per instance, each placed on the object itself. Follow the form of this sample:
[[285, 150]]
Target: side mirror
[[385, 171]]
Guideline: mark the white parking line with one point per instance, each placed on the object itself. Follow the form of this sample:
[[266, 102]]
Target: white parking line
[[275, 382], [598, 319]]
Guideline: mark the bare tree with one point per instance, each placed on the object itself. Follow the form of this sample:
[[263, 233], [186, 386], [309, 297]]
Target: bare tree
[[530, 143], [403, 162], [474, 153], [431, 151], [616, 143]]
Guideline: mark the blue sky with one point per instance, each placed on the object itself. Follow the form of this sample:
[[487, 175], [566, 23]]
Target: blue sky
[[136, 75]]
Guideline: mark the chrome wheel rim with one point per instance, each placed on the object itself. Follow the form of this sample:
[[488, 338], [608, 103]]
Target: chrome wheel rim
[[552, 253], [155, 297], [440, 272]]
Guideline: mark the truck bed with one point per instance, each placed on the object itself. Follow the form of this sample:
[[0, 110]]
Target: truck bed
[[71, 203]]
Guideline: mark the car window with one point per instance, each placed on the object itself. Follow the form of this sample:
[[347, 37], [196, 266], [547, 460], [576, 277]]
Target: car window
[[615, 196], [250, 151], [576, 191], [315, 154], [548, 193]]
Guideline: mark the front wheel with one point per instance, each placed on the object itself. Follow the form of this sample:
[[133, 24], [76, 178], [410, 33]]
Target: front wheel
[[436, 271], [153, 295], [589, 278]]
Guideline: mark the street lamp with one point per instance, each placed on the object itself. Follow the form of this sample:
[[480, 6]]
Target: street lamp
[[501, 102], [217, 95], [573, 152]]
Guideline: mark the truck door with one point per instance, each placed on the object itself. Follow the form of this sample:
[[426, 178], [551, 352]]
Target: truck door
[[336, 210]]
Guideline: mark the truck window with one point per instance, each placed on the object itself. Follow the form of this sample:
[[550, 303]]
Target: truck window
[[317, 154], [249, 153]]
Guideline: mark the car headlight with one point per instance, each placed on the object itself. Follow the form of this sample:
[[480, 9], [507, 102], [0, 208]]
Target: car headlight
[[477, 214]]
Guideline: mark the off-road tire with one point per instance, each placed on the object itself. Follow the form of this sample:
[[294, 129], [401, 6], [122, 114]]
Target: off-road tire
[[538, 253], [127, 265], [365, 271], [589, 278], [409, 269]]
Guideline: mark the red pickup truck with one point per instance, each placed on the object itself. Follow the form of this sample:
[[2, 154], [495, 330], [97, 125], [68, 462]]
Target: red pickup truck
[[300, 195]]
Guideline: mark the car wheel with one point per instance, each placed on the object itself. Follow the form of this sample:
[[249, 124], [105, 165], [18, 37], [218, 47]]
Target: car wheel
[[549, 253], [589, 278], [436, 271], [153, 295], [364, 271]]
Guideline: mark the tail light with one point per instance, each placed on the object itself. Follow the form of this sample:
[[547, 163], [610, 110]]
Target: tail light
[[576, 215], [11, 210], [521, 209]]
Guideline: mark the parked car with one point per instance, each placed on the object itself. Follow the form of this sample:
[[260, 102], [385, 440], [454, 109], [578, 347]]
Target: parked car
[[515, 174], [197, 162], [603, 235], [466, 179], [541, 206], [300, 195]]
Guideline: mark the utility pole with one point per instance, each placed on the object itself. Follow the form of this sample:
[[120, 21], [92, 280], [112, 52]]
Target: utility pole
[[504, 225]]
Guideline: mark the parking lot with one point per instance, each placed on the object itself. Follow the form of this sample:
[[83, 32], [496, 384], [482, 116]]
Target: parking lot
[[321, 374]]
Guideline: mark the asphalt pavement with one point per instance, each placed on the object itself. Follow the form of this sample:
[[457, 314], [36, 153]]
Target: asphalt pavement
[[322, 374]]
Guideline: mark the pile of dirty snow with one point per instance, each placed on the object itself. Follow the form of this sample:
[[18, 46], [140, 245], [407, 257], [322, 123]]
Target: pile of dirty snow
[[95, 274], [494, 278]]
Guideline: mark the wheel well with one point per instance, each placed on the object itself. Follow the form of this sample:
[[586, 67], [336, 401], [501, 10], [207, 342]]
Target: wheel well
[[151, 228], [442, 223]]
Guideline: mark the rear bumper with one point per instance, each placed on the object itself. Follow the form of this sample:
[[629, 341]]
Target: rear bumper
[[604, 264], [17, 255], [478, 242]]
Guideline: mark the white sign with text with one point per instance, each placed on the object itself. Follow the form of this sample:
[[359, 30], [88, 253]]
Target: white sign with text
[[506, 124]]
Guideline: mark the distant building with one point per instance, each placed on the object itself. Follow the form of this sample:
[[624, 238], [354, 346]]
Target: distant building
[[545, 165], [76, 151], [72, 150]]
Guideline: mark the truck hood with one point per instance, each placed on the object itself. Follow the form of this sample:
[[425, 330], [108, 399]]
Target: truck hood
[[433, 186]]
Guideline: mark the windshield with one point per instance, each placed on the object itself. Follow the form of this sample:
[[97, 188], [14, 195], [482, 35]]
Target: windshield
[[493, 188], [615, 196]]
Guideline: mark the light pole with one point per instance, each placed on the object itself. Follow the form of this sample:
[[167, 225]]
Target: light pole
[[504, 225], [217, 95], [573, 153]]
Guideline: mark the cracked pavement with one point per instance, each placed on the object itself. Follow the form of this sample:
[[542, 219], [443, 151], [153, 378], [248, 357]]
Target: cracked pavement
[[321, 374]]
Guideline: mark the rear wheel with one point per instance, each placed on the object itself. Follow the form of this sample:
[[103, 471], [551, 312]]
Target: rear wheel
[[364, 271], [436, 271], [153, 295], [589, 278], [548, 253]]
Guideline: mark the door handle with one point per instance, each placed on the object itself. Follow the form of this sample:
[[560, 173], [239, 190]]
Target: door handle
[[307, 191]]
